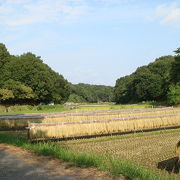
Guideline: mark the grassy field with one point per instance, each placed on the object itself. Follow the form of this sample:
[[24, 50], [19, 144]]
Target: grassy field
[[59, 108], [16, 109]]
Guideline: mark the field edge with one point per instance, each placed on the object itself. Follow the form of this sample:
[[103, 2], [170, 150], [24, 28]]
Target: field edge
[[102, 163]]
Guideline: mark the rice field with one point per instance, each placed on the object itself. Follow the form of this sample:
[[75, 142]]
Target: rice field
[[38, 131], [104, 123], [95, 115], [20, 121], [154, 150], [131, 136]]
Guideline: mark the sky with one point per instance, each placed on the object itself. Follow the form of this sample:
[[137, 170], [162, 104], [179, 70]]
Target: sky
[[91, 41]]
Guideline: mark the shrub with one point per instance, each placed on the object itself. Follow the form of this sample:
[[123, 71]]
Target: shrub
[[173, 96]]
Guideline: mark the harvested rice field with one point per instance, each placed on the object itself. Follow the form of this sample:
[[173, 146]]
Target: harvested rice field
[[154, 150], [105, 114], [98, 123], [138, 142], [20, 121]]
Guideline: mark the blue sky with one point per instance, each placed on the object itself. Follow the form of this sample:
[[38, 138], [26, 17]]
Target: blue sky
[[91, 41]]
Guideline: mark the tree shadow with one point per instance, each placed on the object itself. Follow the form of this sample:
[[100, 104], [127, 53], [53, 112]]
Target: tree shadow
[[171, 165]]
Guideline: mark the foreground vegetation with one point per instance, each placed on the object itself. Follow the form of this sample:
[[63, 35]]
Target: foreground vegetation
[[102, 162]]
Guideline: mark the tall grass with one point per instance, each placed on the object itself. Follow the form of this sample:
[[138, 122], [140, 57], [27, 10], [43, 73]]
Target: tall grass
[[104, 163]]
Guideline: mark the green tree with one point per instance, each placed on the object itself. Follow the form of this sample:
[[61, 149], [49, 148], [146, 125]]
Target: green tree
[[148, 86], [76, 99], [93, 93], [173, 96], [149, 82], [6, 96], [162, 67], [47, 85], [4, 55], [122, 91], [175, 72], [21, 93]]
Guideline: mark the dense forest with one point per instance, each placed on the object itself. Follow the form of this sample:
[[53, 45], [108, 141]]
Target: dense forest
[[158, 81], [25, 79], [91, 93]]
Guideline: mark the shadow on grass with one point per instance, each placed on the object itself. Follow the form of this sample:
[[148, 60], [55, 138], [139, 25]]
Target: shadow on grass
[[171, 165]]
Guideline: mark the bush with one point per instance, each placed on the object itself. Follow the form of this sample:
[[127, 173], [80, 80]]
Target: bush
[[76, 98], [173, 96]]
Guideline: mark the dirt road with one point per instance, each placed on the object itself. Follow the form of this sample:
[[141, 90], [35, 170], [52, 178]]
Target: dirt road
[[19, 164]]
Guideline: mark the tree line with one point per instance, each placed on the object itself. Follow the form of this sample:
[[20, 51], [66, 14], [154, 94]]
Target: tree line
[[25, 79], [158, 81], [91, 93]]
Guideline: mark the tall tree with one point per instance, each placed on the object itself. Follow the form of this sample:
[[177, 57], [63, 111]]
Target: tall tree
[[93, 93], [4, 55], [21, 93], [147, 85], [35, 80], [175, 72], [149, 82], [122, 91]]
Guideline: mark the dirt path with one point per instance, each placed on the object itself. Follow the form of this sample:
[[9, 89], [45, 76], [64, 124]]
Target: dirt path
[[19, 164]]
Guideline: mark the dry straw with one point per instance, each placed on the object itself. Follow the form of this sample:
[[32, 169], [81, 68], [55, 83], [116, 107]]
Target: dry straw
[[22, 121], [100, 127]]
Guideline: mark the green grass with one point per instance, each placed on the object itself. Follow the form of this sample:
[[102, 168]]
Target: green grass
[[104, 162], [34, 109], [60, 108], [91, 107]]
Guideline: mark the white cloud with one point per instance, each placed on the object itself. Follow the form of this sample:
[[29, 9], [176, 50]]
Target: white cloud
[[20, 12], [115, 1], [168, 14]]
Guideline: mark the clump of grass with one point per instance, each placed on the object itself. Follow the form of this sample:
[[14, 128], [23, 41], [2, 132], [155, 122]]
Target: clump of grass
[[104, 163]]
